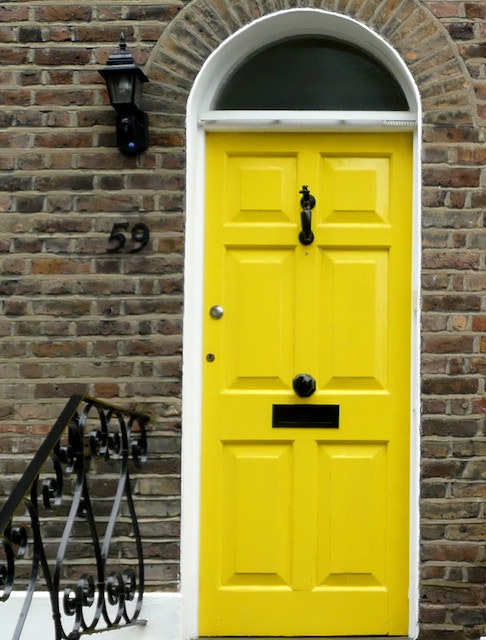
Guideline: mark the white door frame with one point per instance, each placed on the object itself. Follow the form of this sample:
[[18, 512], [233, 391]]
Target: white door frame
[[200, 117]]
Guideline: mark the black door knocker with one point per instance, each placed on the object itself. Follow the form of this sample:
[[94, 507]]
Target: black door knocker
[[307, 202]]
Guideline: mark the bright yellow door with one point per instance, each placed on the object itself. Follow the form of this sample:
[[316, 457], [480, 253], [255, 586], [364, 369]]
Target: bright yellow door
[[304, 516]]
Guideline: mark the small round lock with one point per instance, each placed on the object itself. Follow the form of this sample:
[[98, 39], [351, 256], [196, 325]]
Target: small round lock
[[304, 385], [216, 311]]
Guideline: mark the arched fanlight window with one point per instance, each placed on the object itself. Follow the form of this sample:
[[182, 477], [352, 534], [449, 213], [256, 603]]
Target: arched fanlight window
[[311, 73]]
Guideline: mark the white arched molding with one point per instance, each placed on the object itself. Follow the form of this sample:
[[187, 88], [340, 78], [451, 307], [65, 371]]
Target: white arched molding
[[200, 117]]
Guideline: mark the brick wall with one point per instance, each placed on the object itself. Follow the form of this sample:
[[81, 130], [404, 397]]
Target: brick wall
[[78, 319], [453, 529], [74, 318]]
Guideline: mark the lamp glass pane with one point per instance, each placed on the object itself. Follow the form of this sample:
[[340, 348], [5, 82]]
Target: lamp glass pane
[[121, 88], [137, 92]]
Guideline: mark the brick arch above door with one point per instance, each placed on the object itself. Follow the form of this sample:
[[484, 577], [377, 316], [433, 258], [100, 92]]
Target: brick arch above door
[[411, 29]]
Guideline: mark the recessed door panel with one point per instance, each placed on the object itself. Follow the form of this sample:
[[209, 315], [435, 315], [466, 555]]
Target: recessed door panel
[[256, 515], [259, 189], [354, 319], [352, 531], [357, 190], [258, 322]]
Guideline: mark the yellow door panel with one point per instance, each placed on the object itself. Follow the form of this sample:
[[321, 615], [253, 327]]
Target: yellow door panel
[[352, 533], [249, 508], [259, 190], [353, 319], [262, 294], [358, 190], [304, 509]]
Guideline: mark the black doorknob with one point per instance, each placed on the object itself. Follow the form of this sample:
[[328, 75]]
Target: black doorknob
[[304, 385]]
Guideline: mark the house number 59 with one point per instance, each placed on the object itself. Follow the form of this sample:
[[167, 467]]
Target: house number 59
[[139, 233]]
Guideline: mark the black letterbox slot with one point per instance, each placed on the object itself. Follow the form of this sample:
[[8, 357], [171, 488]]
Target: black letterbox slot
[[305, 416]]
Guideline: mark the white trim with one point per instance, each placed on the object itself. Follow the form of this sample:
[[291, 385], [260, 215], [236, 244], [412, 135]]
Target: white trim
[[414, 530], [308, 120], [199, 118]]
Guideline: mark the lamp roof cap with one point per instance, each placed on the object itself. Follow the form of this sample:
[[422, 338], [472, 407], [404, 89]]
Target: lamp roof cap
[[122, 60]]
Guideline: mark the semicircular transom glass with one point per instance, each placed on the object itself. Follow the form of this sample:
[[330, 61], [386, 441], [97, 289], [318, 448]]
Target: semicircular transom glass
[[311, 73]]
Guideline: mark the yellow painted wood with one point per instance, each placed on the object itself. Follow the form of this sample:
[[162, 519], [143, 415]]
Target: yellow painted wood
[[304, 532]]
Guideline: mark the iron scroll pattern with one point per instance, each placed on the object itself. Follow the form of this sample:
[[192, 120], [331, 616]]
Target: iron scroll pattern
[[54, 513]]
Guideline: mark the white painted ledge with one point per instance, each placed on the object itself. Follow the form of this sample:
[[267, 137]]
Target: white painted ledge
[[162, 611]]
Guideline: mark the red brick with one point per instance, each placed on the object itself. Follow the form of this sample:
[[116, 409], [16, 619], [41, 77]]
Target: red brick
[[479, 323], [447, 386], [66, 97], [448, 427], [54, 139], [449, 134], [452, 177], [59, 265], [15, 97], [450, 552], [475, 10], [446, 9], [448, 344], [61, 56], [474, 50], [63, 13], [451, 259], [14, 13], [451, 303]]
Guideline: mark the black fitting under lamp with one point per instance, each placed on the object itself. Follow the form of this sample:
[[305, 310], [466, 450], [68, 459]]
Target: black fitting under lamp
[[124, 80]]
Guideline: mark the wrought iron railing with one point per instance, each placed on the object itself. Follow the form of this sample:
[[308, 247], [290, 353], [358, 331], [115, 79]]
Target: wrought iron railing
[[69, 526]]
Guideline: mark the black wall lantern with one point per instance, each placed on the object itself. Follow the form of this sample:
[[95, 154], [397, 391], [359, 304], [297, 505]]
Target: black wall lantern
[[124, 80]]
